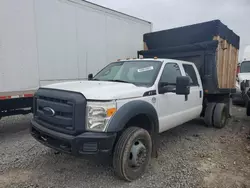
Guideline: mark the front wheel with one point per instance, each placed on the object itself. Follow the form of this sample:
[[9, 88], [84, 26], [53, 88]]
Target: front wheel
[[132, 153]]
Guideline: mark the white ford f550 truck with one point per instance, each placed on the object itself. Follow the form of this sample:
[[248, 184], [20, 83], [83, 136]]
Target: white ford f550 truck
[[120, 111]]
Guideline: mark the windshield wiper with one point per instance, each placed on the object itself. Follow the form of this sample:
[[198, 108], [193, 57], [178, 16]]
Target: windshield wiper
[[122, 81]]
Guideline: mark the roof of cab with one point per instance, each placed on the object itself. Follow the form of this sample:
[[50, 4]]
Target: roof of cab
[[156, 59]]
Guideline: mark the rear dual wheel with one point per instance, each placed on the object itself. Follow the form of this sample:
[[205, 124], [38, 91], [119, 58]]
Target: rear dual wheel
[[132, 153], [216, 115], [208, 118]]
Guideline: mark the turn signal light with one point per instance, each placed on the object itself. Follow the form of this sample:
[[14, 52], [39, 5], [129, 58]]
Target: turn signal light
[[111, 112]]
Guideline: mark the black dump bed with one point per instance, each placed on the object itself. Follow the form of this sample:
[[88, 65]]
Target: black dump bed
[[195, 43]]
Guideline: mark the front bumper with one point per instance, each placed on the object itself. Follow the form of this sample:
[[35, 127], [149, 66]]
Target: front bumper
[[87, 143]]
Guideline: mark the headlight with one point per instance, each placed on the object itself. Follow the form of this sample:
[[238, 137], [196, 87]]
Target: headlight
[[99, 114]]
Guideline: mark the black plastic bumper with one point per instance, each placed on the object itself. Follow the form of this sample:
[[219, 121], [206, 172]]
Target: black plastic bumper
[[87, 143]]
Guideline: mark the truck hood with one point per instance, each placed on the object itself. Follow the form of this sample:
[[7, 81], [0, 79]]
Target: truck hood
[[96, 90], [244, 76]]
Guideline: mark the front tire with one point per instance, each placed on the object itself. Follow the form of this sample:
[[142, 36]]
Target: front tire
[[132, 153]]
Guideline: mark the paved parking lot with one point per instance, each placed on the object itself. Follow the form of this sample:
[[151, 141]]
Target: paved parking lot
[[190, 155]]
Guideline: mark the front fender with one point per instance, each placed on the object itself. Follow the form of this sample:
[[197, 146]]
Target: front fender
[[130, 110]]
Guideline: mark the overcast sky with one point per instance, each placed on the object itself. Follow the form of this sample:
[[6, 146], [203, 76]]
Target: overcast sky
[[166, 14]]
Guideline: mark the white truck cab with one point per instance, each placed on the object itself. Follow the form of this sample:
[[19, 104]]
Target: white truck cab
[[243, 76], [243, 84], [120, 111]]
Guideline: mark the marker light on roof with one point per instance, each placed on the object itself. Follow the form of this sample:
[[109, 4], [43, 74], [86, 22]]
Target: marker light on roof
[[155, 57]]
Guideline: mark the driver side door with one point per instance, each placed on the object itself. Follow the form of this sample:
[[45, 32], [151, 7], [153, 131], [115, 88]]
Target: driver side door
[[170, 105]]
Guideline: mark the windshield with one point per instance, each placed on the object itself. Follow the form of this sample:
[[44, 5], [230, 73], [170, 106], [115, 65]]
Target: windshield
[[135, 72], [245, 67]]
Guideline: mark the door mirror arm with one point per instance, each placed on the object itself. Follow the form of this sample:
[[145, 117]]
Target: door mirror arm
[[166, 88]]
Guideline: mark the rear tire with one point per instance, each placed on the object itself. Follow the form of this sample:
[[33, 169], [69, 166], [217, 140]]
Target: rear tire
[[220, 115], [208, 118], [132, 153]]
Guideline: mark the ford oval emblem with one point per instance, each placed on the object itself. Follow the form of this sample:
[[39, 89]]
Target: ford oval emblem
[[49, 111]]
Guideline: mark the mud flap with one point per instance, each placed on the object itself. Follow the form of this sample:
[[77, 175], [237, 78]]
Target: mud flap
[[229, 107]]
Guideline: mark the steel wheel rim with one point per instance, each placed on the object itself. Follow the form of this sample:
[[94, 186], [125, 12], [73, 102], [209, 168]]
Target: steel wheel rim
[[138, 155]]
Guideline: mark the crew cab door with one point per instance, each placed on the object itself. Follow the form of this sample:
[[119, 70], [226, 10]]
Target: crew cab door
[[174, 109], [195, 98]]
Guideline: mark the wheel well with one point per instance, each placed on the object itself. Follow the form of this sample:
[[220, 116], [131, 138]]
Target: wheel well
[[142, 121], [147, 123], [215, 98]]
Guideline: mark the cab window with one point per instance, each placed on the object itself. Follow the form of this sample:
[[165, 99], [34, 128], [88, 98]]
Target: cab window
[[170, 73], [190, 72]]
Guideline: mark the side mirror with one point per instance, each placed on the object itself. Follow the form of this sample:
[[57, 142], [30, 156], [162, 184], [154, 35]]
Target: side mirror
[[90, 76], [182, 85]]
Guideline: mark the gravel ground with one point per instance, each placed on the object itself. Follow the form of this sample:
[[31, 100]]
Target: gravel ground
[[190, 155]]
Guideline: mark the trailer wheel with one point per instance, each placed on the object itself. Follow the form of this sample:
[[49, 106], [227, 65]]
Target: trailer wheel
[[208, 118], [220, 115], [132, 153]]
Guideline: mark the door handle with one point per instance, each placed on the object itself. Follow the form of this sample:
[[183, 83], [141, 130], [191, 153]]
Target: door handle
[[200, 94]]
